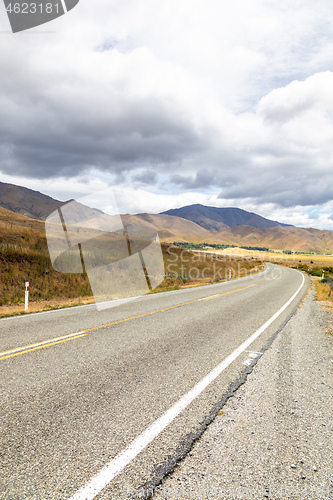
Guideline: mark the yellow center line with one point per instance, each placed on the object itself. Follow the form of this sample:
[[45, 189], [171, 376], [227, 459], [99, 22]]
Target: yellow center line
[[42, 346], [232, 291], [177, 305], [121, 321], [59, 340], [41, 343]]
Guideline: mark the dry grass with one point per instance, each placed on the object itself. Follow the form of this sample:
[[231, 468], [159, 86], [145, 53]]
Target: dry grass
[[289, 260], [324, 293], [329, 331], [44, 305], [312, 264], [24, 257], [186, 268]]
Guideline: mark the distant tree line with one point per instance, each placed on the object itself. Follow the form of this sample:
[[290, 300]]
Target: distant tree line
[[201, 246]]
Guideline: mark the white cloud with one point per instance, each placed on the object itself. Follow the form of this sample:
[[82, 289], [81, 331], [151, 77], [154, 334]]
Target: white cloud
[[229, 98]]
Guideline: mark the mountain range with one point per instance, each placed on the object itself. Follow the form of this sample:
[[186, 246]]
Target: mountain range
[[193, 223], [215, 219]]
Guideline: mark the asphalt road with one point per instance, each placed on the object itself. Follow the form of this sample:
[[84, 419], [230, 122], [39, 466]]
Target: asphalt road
[[85, 391], [270, 440]]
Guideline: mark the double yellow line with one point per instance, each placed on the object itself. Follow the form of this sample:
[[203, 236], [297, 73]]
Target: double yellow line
[[73, 336]]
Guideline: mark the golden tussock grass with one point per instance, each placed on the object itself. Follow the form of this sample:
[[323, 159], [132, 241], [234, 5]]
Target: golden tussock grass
[[24, 257], [324, 292]]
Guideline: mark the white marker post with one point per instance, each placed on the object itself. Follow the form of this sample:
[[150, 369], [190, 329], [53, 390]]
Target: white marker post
[[323, 276], [26, 297]]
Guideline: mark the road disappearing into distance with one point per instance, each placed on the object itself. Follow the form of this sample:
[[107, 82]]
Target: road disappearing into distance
[[102, 404]]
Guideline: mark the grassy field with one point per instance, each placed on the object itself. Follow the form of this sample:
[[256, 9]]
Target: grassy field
[[312, 264], [24, 257], [186, 268]]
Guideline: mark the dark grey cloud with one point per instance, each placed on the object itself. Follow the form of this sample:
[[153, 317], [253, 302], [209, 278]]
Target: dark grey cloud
[[283, 190], [63, 114], [52, 139], [288, 184], [204, 178], [148, 177]]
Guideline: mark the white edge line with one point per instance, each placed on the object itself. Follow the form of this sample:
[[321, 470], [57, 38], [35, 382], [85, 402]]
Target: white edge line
[[120, 461]]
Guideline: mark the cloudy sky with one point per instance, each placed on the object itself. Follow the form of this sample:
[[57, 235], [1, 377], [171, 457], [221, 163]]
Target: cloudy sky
[[173, 102]]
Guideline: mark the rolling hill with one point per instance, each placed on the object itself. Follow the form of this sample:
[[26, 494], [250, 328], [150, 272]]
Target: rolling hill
[[17, 223], [169, 228], [192, 224], [26, 201], [215, 219], [172, 228], [276, 238], [24, 257]]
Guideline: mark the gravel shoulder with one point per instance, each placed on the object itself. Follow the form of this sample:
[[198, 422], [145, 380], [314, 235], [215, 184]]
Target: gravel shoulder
[[273, 438]]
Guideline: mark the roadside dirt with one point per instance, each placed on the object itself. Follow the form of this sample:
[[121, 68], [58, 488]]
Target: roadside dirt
[[273, 440], [44, 305]]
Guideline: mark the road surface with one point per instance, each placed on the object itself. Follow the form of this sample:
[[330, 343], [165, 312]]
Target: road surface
[[97, 404], [273, 438]]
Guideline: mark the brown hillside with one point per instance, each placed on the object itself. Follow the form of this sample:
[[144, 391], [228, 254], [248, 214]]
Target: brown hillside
[[216, 218], [26, 201], [277, 238], [170, 228], [11, 219], [24, 257]]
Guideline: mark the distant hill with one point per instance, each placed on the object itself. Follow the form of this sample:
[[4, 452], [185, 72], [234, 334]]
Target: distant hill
[[26, 201], [192, 224], [215, 219], [173, 228], [169, 228], [276, 238]]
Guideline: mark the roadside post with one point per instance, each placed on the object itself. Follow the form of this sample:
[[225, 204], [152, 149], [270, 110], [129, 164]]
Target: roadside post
[[323, 276], [26, 296]]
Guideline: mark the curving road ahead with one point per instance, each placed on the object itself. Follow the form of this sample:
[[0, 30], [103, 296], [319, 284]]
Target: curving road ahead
[[102, 404]]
